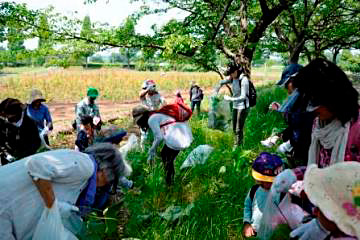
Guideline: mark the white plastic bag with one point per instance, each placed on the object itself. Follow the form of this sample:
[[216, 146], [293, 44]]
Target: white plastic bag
[[177, 136], [197, 156], [50, 226], [130, 144]]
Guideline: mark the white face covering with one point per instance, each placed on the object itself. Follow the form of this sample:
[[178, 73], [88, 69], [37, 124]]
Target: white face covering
[[18, 123]]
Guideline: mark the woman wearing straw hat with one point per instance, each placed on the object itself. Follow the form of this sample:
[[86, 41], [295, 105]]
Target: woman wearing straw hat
[[40, 113]]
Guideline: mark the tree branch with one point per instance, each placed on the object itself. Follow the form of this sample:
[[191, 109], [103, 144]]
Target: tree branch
[[221, 19]]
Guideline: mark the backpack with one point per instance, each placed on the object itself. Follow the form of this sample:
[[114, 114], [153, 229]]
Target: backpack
[[178, 110], [252, 94]]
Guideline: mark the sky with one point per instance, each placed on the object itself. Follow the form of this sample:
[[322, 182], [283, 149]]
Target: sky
[[112, 12]]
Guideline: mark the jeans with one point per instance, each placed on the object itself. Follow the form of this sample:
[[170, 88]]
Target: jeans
[[168, 156], [239, 117], [195, 104]]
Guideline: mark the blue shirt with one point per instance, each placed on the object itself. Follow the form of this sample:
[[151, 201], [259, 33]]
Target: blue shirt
[[39, 115]]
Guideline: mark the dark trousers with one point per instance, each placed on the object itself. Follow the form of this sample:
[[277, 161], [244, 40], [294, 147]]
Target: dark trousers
[[195, 104], [168, 156], [239, 117]]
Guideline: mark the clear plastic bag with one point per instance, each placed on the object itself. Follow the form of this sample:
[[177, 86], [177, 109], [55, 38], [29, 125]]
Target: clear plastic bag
[[50, 226], [197, 156], [220, 113], [275, 214]]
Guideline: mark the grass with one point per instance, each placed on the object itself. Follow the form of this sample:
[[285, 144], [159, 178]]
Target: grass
[[66, 85]]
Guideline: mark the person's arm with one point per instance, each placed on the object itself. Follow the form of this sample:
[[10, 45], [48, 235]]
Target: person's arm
[[247, 209], [154, 125], [82, 141], [143, 93], [48, 118], [222, 83], [190, 93], [46, 191]]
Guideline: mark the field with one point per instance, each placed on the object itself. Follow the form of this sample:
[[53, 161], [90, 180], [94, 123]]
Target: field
[[204, 203]]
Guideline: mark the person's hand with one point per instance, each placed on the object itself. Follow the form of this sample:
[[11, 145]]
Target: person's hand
[[248, 230], [310, 231], [66, 209], [228, 98], [283, 181]]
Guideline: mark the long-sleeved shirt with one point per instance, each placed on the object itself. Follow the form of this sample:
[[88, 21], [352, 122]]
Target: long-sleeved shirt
[[21, 204], [39, 115], [195, 93], [153, 102], [240, 88], [253, 209], [85, 108]]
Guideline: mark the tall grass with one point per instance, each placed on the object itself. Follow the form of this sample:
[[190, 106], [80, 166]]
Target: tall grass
[[217, 197], [68, 85]]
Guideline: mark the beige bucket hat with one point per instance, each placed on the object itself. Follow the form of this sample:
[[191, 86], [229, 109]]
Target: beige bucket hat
[[36, 94], [336, 191]]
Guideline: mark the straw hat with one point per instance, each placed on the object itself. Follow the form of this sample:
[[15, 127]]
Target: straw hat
[[36, 95], [336, 191]]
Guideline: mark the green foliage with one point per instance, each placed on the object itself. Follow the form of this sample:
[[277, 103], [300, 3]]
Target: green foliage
[[349, 61]]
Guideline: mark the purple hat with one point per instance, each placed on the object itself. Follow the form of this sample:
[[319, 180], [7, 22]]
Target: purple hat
[[266, 166]]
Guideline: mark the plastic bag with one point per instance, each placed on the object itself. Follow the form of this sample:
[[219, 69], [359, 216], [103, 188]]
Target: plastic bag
[[197, 156], [275, 214], [129, 145], [220, 113], [50, 226], [178, 135]]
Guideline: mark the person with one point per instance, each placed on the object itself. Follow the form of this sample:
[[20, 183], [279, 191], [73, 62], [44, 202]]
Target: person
[[19, 136], [87, 106], [85, 135], [265, 167], [64, 179], [241, 107], [176, 136], [150, 97], [40, 113], [196, 96], [335, 191], [297, 135]]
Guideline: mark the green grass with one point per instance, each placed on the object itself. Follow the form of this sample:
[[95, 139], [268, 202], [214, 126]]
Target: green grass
[[217, 197]]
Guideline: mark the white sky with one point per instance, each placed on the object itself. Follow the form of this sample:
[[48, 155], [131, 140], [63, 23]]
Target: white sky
[[112, 12]]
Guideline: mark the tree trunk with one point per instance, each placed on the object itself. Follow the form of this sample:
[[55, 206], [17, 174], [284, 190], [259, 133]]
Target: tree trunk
[[295, 52], [335, 54], [244, 58], [86, 62]]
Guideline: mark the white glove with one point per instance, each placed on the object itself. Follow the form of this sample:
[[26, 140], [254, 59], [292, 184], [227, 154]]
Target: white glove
[[312, 230], [228, 98], [66, 209], [283, 181]]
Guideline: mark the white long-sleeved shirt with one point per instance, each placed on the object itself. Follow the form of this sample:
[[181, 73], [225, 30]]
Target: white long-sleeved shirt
[[240, 88], [20, 202]]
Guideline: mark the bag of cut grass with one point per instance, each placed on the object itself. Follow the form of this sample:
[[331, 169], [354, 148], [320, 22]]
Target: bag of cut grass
[[220, 113], [197, 156]]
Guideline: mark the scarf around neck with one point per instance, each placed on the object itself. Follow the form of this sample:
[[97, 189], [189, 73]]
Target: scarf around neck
[[332, 136]]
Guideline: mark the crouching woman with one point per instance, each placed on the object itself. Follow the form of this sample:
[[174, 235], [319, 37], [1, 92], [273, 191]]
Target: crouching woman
[[63, 179], [175, 134]]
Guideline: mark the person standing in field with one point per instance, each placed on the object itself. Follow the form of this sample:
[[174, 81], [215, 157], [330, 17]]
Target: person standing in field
[[151, 99], [196, 96], [40, 113], [240, 87], [87, 106]]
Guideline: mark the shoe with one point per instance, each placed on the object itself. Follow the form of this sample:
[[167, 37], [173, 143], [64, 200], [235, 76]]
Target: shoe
[[285, 147], [270, 142]]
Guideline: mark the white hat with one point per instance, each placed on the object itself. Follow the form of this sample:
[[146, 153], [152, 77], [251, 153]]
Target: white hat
[[336, 191]]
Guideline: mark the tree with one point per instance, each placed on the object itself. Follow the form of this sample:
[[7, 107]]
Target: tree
[[83, 48]]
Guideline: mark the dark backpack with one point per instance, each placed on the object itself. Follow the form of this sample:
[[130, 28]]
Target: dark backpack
[[252, 94]]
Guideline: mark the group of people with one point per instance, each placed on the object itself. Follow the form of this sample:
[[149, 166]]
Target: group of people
[[315, 191], [317, 197]]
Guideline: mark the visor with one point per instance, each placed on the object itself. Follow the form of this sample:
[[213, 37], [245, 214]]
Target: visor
[[312, 105], [260, 177]]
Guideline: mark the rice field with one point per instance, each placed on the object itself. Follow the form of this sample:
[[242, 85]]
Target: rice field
[[66, 85]]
